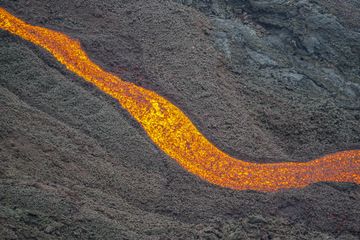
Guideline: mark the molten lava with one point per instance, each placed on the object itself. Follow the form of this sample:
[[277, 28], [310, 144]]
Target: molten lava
[[173, 132]]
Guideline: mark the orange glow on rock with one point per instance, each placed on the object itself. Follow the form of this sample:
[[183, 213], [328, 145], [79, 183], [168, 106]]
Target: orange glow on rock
[[173, 132]]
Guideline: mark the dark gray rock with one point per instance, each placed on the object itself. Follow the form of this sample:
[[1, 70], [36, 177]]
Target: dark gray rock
[[264, 80]]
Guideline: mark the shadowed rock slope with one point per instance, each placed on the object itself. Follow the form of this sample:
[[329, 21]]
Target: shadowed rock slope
[[263, 80]]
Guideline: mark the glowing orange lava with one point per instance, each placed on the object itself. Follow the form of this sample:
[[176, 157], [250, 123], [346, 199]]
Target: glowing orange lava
[[174, 133]]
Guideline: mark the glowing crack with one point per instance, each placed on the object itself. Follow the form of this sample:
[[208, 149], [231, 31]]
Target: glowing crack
[[174, 133]]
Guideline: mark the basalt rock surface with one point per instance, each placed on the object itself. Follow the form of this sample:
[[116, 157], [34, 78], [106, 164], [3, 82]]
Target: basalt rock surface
[[266, 81]]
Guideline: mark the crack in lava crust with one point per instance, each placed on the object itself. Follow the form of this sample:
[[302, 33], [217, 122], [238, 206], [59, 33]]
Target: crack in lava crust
[[174, 133]]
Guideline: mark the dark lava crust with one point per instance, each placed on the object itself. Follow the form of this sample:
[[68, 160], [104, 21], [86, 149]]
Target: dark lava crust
[[264, 80]]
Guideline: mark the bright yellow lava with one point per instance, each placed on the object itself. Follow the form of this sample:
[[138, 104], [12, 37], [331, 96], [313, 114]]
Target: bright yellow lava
[[174, 133]]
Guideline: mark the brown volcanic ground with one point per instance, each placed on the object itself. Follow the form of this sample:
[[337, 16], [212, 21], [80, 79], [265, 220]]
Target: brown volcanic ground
[[264, 80]]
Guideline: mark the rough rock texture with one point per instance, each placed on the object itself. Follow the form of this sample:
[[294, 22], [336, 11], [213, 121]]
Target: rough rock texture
[[264, 80], [301, 66]]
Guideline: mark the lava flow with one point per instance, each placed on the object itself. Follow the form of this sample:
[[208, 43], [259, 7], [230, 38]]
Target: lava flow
[[173, 132]]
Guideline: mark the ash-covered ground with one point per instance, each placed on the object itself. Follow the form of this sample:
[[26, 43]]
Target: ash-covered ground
[[266, 81]]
